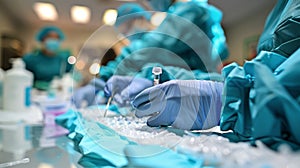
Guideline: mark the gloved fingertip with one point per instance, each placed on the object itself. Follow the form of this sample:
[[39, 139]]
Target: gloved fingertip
[[118, 99], [125, 95], [154, 120], [152, 123], [135, 103], [140, 113], [76, 104]]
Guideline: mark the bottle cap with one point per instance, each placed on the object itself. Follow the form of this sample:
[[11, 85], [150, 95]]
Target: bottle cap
[[156, 70], [18, 63]]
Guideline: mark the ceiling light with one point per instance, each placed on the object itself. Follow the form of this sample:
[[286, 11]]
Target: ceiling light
[[45, 11], [110, 16], [157, 18], [94, 68], [80, 14], [72, 60]]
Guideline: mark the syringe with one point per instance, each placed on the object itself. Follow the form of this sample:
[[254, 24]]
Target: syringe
[[157, 71]]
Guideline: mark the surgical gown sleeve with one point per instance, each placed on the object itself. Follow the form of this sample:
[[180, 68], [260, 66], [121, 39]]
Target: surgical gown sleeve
[[182, 40], [237, 100], [248, 106], [276, 118], [281, 33]]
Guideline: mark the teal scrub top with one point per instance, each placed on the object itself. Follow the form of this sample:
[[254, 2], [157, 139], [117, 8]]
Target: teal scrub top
[[45, 68]]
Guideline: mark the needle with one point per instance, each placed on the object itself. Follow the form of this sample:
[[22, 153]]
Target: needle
[[108, 103]]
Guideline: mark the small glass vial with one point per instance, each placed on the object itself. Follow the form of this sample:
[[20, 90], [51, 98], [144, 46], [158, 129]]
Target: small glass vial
[[157, 71]]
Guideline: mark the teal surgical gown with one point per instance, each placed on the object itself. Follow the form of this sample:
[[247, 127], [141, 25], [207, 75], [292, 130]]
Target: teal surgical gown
[[281, 33], [261, 99], [190, 37], [45, 68]]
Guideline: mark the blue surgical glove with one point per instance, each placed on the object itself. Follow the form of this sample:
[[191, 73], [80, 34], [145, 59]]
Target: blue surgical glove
[[125, 88], [183, 104], [88, 93]]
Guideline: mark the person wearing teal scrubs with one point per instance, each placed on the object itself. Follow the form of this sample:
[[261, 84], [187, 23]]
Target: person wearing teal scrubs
[[259, 101], [50, 61], [189, 43]]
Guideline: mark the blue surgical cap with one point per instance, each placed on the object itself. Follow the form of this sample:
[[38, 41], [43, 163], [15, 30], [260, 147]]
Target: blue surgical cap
[[45, 30], [130, 11]]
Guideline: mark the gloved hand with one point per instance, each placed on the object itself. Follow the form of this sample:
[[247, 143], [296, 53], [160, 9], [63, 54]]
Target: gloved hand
[[125, 88], [183, 104], [88, 93]]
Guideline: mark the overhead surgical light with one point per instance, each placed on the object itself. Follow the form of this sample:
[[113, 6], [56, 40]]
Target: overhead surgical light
[[80, 14], [110, 16], [45, 11]]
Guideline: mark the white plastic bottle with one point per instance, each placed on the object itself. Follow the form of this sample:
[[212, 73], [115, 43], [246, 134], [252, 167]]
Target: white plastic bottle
[[17, 87]]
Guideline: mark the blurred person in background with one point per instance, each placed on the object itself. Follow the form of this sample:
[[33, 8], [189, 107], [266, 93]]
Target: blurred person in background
[[50, 60], [189, 44]]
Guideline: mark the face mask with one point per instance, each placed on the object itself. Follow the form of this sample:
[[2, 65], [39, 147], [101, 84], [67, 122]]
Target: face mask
[[52, 45], [160, 5]]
